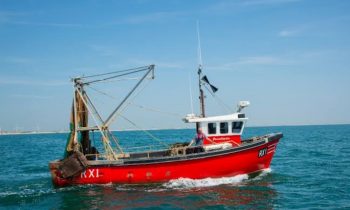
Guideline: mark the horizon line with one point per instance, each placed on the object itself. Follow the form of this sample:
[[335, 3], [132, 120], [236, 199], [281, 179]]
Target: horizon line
[[156, 129]]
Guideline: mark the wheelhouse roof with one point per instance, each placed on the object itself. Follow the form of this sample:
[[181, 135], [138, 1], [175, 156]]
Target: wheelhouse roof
[[221, 118]]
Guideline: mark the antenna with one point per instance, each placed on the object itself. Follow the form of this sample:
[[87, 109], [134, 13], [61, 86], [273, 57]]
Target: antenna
[[200, 63], [191, 98]]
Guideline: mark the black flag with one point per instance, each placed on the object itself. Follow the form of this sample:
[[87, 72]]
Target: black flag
[[213, 88]]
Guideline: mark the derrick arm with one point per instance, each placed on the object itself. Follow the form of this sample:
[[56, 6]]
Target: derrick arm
[[115, 112]]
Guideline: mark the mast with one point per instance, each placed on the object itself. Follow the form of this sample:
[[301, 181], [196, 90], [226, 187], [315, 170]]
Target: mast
[[83, 108], [83, 116], [201, 93]]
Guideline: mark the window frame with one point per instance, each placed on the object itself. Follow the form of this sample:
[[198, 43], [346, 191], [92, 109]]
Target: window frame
[[234, 128], [227, 128], [215, 128]]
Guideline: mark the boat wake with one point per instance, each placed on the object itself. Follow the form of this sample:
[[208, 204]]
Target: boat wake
[[207, 182], [186, 183], [263, 173]]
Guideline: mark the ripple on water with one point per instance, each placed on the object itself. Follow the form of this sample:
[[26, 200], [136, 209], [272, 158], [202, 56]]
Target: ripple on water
[[310, 170]]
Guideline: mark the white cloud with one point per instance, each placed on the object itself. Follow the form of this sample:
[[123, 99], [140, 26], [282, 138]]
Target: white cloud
[[65, 25], [288, 33], [28, 96], [152, 17], [265, 60], [155, 17], [173, 65], [268, 60], [30, 82], [144, 62], [14, 18], [103, 50], [229, 6], [291, 59], [266, 2], [16, 60], [6, 16]]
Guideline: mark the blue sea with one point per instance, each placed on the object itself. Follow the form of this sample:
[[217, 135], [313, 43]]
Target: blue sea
[[310, 170]]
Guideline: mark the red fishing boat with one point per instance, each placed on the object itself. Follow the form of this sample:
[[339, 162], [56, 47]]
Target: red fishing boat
[[219, 150]]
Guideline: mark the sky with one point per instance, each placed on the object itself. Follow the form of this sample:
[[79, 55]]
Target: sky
[[289, 58]]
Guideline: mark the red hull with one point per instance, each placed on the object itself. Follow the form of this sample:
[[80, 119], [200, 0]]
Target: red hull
[[223, 164]]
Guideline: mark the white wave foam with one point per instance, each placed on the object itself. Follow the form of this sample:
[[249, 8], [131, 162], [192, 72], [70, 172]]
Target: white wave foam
[[263, 173], [7, 193], [27, 193], [266, 171], [207, 182]]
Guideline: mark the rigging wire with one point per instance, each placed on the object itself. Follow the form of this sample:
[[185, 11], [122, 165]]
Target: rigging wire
[[116, 141], [138, 105], [219, 101], [190, 87], [112, 116], [114, 98], [101, 92], [112, 77], [124, 79], [145, 131], [156, 110], [114, 72], [132, 99]]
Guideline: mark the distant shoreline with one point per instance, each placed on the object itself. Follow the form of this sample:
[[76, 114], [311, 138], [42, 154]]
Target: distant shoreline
[[7, 133], [30, 132]]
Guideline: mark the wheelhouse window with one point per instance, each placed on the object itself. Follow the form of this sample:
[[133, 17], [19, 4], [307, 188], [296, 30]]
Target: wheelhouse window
[[224, 127], [211, 128], [237, 127]]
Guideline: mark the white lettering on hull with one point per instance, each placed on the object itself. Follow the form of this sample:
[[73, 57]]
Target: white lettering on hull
[[90, 173], [221, 138]]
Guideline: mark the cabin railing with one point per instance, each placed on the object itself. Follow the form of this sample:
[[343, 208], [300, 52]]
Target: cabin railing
[[146, 152]]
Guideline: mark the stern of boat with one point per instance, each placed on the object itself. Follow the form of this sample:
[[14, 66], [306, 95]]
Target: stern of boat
[[55, 176]]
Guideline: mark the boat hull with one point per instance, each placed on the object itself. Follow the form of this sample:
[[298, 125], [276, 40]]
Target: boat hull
[[247, 159]]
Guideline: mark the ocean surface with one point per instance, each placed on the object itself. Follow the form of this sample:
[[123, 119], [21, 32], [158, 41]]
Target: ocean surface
[[310, 170]]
